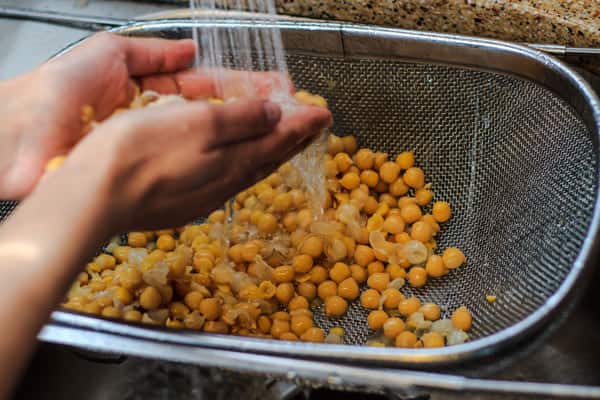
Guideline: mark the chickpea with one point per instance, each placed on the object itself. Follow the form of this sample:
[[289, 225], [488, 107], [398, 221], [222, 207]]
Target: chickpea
[[441, 211], [92, 308], [330, 168], [431, 311], [453, 258], [359, 274], [132, 315], [137, 239], [363, 255], [282, 202], [307, 289], [318, 274], [150, 298], [435, 266], [284, 292], [216, 327], [335, 306], [298, 197], [377, 319], [395, 271], [327, 289], [279, 327], [282, 315], [414, 177], [335, 145], [339, 272], [121, 253], [421, 231], [370, 299], [406, 339], [402, 237], [210, 308], [410, 213], [249, 251], [378, 281], [267, 224], [289, 336], [369, 178], [178, 310], [405, 160], [398, 187], [393, 297], [350, 144], [409, 306], [290, 221], [432, 222], [192, 299], [284, 273], [313, 246], [350, 181], [375, 267], [393, 327], [348, 289], [105, 261], [365, 159], [389, 172], [350, 244], [300, 324], [432, 339], [393, 224], [343, 162], [423, 196], [305, 218], [314, 334], [417, 276], [461, 318], [379, 159], [370, 205], [298, 303], [123, 296], [302, 263], [111, 312], [264, 324]]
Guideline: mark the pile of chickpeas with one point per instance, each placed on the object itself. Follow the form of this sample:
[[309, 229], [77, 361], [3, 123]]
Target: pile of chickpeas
[[263, 264]]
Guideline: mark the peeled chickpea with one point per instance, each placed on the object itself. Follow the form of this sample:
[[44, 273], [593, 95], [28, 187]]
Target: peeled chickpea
[[282, 202], [430, 311], [284, 273], [121, 253], [395, 271], [284, 292], [359, 274], [327, 289], [300, 324], [314, 335], [435, 266], [267, 223], [377, 319], [132, 315], [123, 296], [417, 276], [302, 263], [111, 312], [210, 308], [178, 310], [335, 306], [375, 267], [137, 239], [432, 339], [369, 178], [343, 162], [461, 318], [363, 255], [378, 281], [410, 213], [405, 160], [453, 258], [313, 246], [305, 218], [421, 231], [335, 145], [298, 303], [393, 224], [409, 306], [370, 299], [398, 188], [370, 205], [441, 211], [414, 177], [307, 289], [393, 327], [318, 274], [339, 272], [392, 297], [150, 298], [406, 339], [348, 289], [192, 299], [350, 181], [264, 324], [350, 144], [365, 159], [279, 327]]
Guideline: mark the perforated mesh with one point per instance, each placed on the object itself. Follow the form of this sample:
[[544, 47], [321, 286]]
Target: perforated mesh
[[513, 159]]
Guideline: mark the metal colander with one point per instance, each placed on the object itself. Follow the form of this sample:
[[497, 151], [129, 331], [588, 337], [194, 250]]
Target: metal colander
[[507, 135]]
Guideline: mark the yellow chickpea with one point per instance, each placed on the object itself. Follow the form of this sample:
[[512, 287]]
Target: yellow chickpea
[[150, 298], [330, 168], [435, 266], [406, 339], [339, 272], [290, 221], [395, 271], [302, 263], [298, 303], [178, 310], [393, 224], [264, 324], [461, 318], [137, 239], [453, 258], [131, 278], [165, 243], [105, 261], [381, 187], [409, 306], [348, 289], [375, 267], [211, 308], [432, 222], [318, 274], [370, 299], [267, 224], [284, 273], [389, 172], [414, 177], [432, 339], [192, 299], [379, 159], [377, 319], [421, 231], [369, 178], [350, 244], [378, 281], [121, 253], [314, 334], [431, 311], [335, 145], [363, 255], [123, 296], [350, 181], [350, 144], [398, 188], [393, 297], [405, 160], [282, 202], [307, 289], [111, 312], [132, 316], [359, 274], [417, 277], [249, 251], [284, 292], [300, 324], [335, 306], [410, 213], [365, 159], [393, 327], [343, 162], [327, 289], [279, 327], [282, 315], [313, 246], [441, 211], [402, 237]]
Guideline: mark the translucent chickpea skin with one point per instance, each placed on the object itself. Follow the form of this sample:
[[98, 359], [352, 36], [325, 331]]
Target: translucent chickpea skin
[[282, 261]]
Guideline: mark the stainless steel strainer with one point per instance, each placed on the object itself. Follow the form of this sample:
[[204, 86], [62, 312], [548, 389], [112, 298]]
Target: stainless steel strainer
[[507, 134]]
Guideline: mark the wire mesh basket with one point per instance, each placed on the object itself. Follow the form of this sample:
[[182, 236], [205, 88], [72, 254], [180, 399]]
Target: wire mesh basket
[[507, 134]]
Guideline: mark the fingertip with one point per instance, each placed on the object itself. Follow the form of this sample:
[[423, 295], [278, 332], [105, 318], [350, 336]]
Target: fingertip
[[272, 113]]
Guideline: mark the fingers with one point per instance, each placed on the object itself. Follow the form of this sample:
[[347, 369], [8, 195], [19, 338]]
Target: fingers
[[192, 83]]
